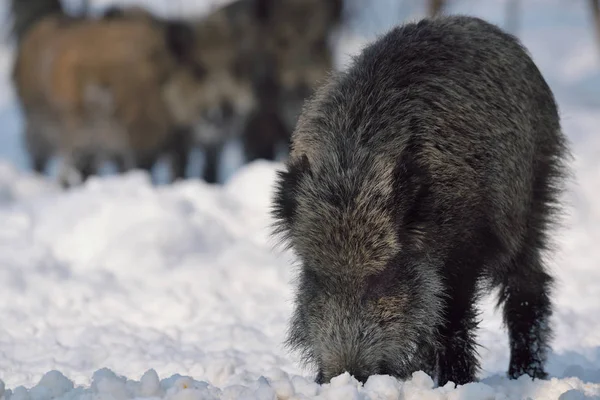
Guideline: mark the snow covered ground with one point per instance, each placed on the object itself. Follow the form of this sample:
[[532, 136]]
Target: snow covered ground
[[177, 292]]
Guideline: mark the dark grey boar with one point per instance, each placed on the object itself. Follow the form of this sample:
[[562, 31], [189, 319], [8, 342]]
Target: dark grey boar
[[422, 177]]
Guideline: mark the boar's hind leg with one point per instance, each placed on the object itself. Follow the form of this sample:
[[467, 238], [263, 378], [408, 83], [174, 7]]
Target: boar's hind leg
[[525, 285], [457, 357], [525, 293]]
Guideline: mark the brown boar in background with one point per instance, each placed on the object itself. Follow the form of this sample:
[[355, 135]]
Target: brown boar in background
[[93, 90]]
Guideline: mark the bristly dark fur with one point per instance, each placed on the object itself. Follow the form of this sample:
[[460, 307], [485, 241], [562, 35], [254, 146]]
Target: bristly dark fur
[[425, 175]]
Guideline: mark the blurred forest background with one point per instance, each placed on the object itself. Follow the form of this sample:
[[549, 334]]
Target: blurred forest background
[[187, 88]]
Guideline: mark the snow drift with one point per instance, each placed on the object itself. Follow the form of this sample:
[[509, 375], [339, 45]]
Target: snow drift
[[153, 282]]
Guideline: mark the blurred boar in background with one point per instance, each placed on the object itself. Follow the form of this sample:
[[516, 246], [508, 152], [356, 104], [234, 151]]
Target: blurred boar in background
[[262, 59], [212, 101], [93, 90], [295, 58]]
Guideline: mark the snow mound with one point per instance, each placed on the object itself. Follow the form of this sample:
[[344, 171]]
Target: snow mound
[[106, 385], [107, 280]]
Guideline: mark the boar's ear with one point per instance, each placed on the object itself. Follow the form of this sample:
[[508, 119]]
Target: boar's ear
[[180, 39], [286, 191], [411, 192]]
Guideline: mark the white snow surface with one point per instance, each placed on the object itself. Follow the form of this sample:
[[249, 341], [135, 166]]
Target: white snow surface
[[121, 289], [119, 283]]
